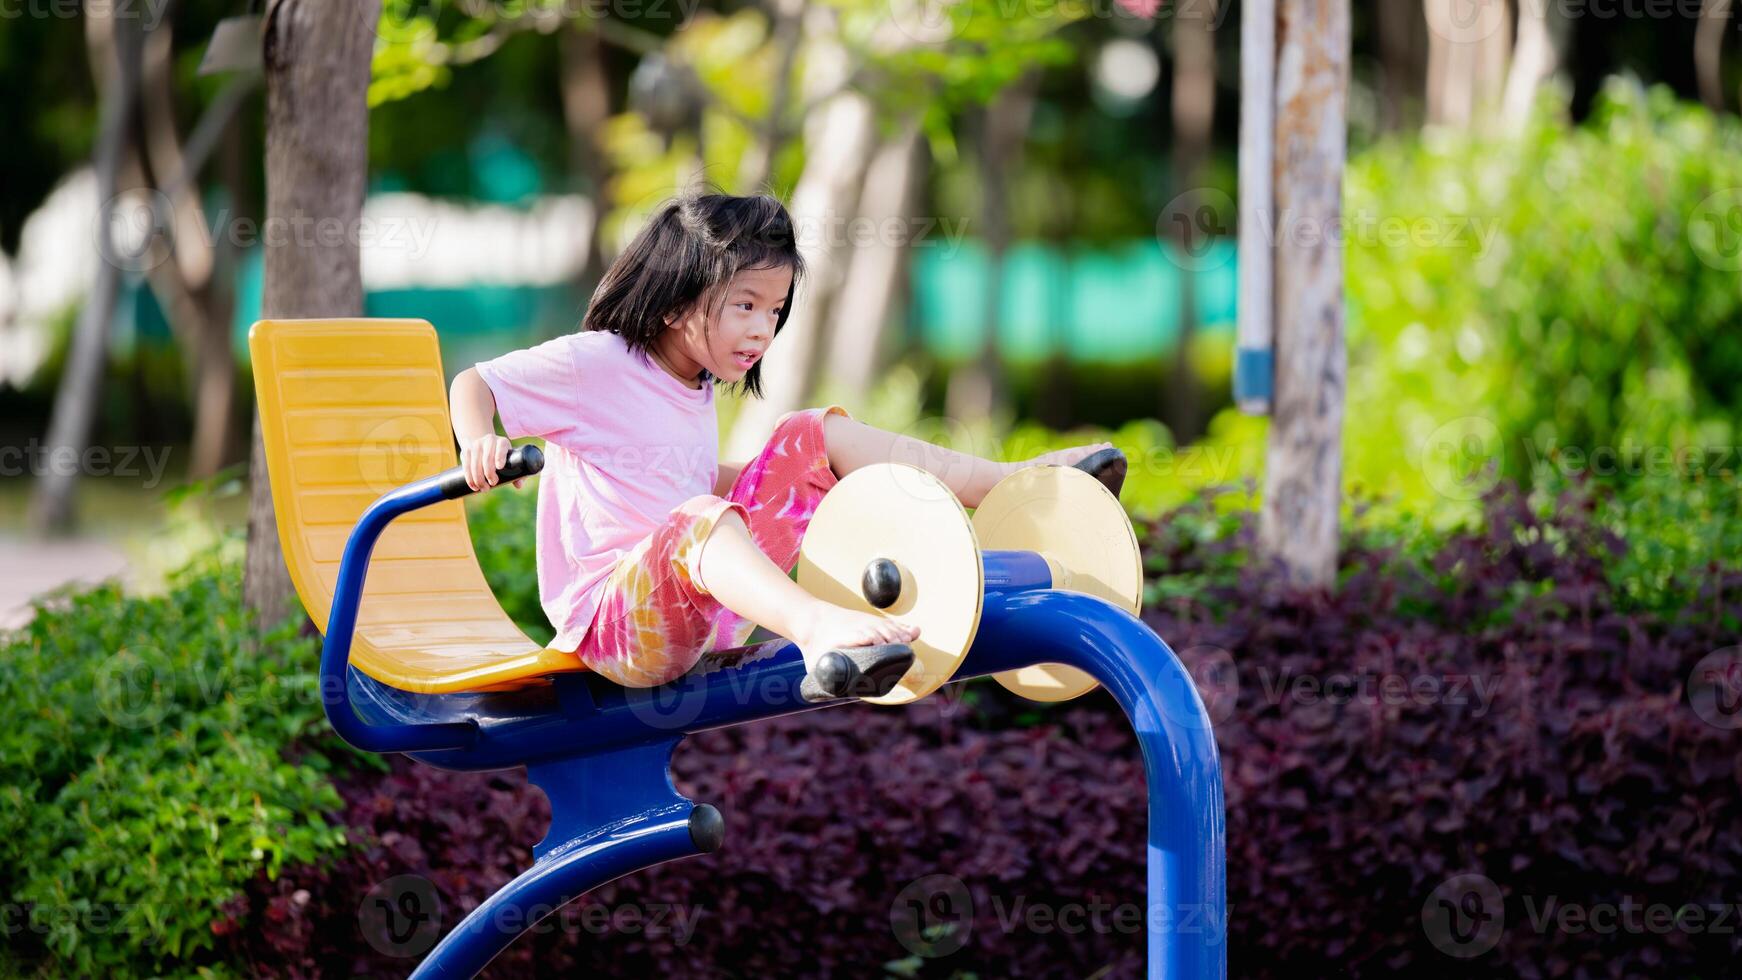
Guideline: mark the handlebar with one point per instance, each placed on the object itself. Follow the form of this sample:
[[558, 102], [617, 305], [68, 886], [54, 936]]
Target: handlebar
[[348, 594], [523, 461]]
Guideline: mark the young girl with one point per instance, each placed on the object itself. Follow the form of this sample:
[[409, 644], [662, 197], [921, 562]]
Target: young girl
[[651, 551]]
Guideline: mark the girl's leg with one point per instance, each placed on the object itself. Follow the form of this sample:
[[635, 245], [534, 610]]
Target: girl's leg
[[747, 584], [746, 567], [852, 444], [653, 622]]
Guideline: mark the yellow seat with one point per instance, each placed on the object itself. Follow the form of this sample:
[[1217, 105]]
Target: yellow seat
[[350, 409]]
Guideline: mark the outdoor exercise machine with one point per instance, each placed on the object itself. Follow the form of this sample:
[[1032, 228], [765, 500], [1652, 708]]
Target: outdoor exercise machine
[[1039, 589]]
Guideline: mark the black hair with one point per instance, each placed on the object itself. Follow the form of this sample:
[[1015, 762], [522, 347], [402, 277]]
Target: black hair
[[687, 254]]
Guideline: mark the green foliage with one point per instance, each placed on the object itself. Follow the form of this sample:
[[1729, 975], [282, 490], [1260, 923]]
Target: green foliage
[[1681, 536], [504, 525], [143, 776], [1569, 289]]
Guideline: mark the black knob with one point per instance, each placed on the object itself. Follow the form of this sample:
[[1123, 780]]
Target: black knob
[[881, 583]]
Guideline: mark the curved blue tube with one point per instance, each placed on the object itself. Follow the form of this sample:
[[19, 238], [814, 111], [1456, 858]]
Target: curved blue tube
[[611, 814], [1187, 913], [342, 623]]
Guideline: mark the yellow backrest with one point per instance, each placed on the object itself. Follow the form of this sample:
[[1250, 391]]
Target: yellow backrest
[[350, 409]]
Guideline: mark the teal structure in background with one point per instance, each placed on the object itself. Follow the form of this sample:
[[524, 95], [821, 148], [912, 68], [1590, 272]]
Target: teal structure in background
[[1110, 303], [1105, 304]]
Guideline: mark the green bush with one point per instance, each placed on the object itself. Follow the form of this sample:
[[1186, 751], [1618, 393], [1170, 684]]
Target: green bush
[[144, 775], [1570, 288], [504, 525]]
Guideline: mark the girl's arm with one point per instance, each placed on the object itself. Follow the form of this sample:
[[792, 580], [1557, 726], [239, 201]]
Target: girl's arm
[[473, 409], [728, 476]]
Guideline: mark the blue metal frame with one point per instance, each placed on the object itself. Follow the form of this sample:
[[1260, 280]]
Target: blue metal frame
[[602, 753]]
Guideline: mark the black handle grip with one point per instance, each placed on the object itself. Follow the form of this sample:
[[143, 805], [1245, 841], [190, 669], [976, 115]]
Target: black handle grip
[[524, 461]]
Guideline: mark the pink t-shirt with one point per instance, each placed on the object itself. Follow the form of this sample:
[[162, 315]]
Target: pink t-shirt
[[624, 444]]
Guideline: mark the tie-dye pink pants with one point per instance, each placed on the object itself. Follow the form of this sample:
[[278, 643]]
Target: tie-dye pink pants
[[657, 619]]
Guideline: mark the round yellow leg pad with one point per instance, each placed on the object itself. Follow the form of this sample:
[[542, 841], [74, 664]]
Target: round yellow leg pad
[[1074, 522], [904, 514]]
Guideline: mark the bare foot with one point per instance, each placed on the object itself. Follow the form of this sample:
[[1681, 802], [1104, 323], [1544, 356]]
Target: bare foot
[[830, 627]]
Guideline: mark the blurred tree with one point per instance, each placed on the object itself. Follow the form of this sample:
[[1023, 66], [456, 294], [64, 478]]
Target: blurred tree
[[192, 283], [1533, 61], [1709, 51], [1469, 42], [1303, 467], [977, 390], [1194, 116], [586, 92], [921, 61], [317, 55], [874, 273], [114, 55]]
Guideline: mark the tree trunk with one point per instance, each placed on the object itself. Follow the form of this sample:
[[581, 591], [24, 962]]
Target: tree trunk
[[839, 136], [876, 267], [758, 163], [978, 390], [586, 94], [1194, 113], [317, 137], [196, 303], [1469, 42], [1303, 469], [81, 386], [1709, 52], [1400, 62], [1533, 61]]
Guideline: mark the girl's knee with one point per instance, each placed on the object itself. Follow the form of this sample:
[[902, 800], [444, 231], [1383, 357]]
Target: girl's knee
[[808, 418]]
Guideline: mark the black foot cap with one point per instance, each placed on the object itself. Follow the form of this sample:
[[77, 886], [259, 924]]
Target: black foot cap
[[1108, 466], [857, 672], [707, 828]]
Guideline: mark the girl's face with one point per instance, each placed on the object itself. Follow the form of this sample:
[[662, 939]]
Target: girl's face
[[729, 347]]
